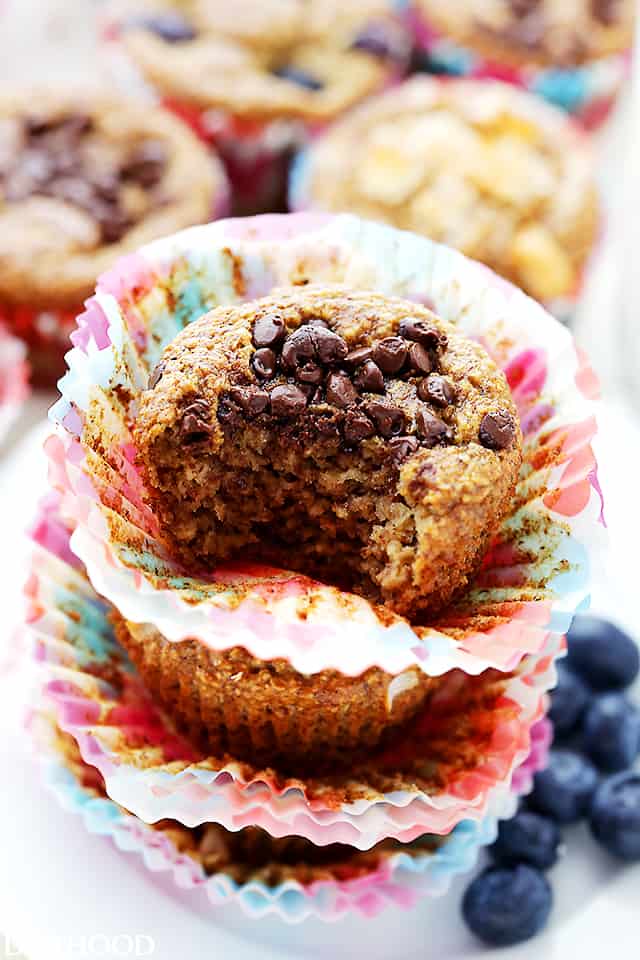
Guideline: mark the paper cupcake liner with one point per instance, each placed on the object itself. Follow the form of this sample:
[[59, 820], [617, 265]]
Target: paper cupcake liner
[[587, 92], [475, 744], [14, 375], [399, 879], [534, 577]]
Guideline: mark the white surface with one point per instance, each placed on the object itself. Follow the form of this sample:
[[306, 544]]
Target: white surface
[[57, 881]]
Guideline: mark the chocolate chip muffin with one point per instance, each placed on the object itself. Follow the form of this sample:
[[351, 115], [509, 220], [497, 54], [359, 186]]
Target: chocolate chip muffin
[[353, 437], [551, 33], [82, 181], [480, 166]]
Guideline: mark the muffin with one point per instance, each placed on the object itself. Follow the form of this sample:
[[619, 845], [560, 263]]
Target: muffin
[[476, 165], [351, 436], [83, 181], [574, 54], [253, 78]]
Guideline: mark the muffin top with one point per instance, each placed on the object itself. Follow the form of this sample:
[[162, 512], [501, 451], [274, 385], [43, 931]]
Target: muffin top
[[265, 59], [352, 436], [480, 166], [84, 180], [560, 33]]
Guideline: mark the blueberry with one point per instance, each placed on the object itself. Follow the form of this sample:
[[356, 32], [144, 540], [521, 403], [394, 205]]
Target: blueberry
[[301, 77], [612, 732], [615, 815], [564, 790], [602, 654], [506, 905], [171, 27], [568, 701], [527, 838]]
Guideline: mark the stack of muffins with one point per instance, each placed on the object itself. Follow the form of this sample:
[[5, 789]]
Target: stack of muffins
[[323, 504]]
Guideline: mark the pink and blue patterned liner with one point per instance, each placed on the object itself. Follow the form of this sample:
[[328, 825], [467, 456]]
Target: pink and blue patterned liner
[[400, 880], [536, 574], [588, 92]]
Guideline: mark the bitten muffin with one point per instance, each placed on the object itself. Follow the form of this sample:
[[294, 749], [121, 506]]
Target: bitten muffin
[[477, 165], [350, 436], [574, 54], [253, 77], [265, 712], [82, 181]]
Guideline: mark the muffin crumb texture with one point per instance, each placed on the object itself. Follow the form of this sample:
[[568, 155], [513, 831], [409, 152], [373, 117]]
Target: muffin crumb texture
[[353, 437]]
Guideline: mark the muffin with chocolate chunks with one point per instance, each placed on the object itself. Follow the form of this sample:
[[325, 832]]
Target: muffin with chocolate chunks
[[351, 436]]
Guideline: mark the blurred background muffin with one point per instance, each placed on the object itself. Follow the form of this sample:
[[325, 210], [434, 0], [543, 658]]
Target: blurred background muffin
[[574, 53], [82, 181], [254, 79], [479, 166]]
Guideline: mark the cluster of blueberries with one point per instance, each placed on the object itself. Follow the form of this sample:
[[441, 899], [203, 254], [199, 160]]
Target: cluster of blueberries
[[590, 775]]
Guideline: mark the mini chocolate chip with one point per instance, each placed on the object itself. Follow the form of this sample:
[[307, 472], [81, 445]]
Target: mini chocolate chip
[[147, 163], [439, 390], [357, 357], [311, 391], [402, 447], [388, 419], [421, 331], [327, 425], [432, 429], [369, 377], [264, 363], [252, 400], [357, 427], [497, 430], [287, 400], [298, 348], [113, 222], [390, 354], [171, 27], [340, 391], [605, 12], [269, 330], [300, 77], [105, 185], [156, 375], [330, 347], [229, 413], [310, 372], [522, 8], [195, 425], [420, 359]]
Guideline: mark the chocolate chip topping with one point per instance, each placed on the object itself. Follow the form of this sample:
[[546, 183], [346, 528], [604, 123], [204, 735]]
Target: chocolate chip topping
[[195, 425], [171, 27], [340, 391], [369, 378], [432, 429], [390, 354], [269, 330], [53, 163], [421, 331], [357, 427], [156, 375], [402, 447], [388, 419], [310, 372], [331, 347], [298, 348], [357, 357], [287, 400], [264, 363], [438, 390], [605, 12], [252, 400], [497, 430], [420, 359]]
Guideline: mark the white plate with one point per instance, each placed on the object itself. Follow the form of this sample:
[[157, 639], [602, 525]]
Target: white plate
[[56, 881]]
